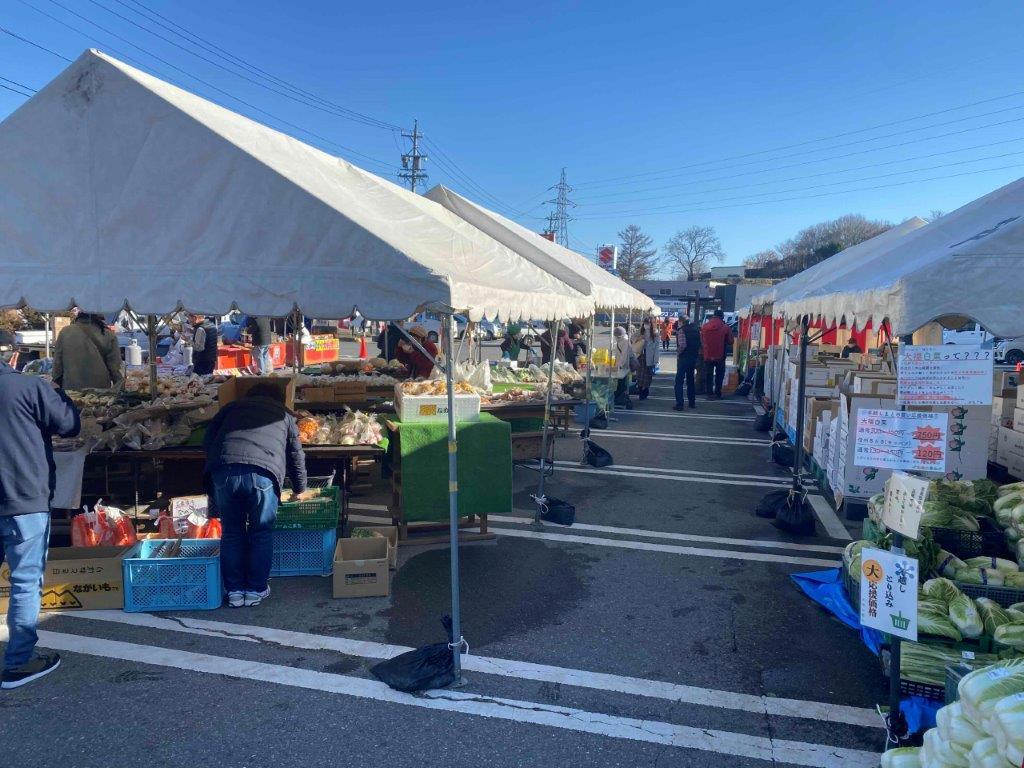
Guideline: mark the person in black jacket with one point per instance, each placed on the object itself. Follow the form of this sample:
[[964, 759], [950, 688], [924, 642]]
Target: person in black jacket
[[260, 337], [687, 355], [31, 412], [251, 445], [204, 345]]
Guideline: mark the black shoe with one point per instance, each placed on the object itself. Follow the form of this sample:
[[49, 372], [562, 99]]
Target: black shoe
[[38, 666], [693, 405], [679, 408]]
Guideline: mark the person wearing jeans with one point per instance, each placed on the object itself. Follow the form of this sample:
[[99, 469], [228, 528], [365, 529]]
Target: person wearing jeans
[[251, 445], [261, 337], [31, 411], [715, 337], [687, 350]]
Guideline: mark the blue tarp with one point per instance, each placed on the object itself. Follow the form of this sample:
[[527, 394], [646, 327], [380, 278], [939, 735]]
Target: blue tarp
[[826, 589]]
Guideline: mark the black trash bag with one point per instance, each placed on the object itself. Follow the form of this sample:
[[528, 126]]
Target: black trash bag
[[420, 669], [763, 421], [556, 511], [793, 514], [600, 421], [769, 504], [595, 455], [744, 389], [783, 455]]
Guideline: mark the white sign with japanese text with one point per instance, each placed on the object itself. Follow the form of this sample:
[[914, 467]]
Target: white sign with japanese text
[[951, 374], [888, 593], [904, 503], [909, 440]]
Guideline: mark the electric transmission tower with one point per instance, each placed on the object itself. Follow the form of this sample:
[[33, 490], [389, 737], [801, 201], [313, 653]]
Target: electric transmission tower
[[558, 220], [412, 162]]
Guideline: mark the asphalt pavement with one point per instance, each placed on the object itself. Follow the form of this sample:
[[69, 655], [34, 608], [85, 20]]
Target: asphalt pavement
[[660, 630]]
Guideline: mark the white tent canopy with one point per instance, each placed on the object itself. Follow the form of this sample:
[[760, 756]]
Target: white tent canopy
[[845, 262], [964, 264], [608, 291], [117, 188]]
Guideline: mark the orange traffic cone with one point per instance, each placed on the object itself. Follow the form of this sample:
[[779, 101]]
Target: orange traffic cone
[[362, 348]]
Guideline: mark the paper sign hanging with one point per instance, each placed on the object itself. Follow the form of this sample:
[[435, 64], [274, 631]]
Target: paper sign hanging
[[904, 503], [909, 440], [951, 374], [888, 593]]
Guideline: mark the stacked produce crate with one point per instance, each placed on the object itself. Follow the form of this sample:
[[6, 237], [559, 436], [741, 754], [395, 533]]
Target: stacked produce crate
[[1006, 443]]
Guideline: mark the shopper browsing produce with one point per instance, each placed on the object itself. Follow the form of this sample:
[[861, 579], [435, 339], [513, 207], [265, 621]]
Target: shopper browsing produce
[[204, 345], [251, 445], [261, 337], [647, 346], [715, 337], [625, 362], [30, 412], [87, 355], [420, 365], [687, 352]]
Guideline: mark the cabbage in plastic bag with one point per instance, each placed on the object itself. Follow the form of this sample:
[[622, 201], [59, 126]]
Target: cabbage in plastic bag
[[981, 576], [949, 564], [992, 563]]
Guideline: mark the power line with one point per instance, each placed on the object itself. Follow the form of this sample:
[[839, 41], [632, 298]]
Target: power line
[[412, 162], [208, 84], [28, 88], [469, 181], [810, 197], [796, 178], [342, 112], [15, 90], [834, 183], [33, 44], [863, 151], [558, 221], [223, 53], [604, 182]]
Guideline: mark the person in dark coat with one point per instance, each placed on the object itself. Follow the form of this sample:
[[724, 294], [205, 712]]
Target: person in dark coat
[[251, 445], [261, 337], [387, 341], [715, 338], [687, 357], [850, 348], [31, 411], [204, 345]]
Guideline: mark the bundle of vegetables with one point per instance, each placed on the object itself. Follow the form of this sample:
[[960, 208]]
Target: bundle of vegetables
[[358, 428], [926, 663], [981, 690], [973, 496], [943, 514]]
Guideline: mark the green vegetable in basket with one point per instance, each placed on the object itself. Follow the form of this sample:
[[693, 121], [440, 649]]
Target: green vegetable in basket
[[926, 663], [955, 729], [982, 689], [1009, 488], [981, 576], [924, 550], [1013, 580], [904, 757], [1008, 501], [941, 589], [941, 514], [985, 490], [1011, 635], [992, 614], [992, 563], [1017, 607], [1012, 536], [964, 614], [948, 564], [1016, 616], [936, 621]]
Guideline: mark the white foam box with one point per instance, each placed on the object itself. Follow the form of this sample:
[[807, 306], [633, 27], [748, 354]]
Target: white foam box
[[1015, 466], [1011, 443], [412, 408], [1004, 380], [1020, 397]]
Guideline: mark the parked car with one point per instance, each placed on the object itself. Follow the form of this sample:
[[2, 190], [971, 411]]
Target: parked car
[[1010, 351], [431, 322], [970, 333]]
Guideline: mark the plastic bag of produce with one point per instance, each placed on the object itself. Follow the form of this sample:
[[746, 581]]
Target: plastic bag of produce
[[1011, 635], [981, 576], [421, 669], [941, 589], [964, 614], [904, 757], [992, 614], [982, 689], [949, 564], [992, 563]]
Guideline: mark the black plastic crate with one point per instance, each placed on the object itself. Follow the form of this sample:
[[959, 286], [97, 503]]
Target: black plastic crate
[[1005, 596], [925, 690], [964, 544]]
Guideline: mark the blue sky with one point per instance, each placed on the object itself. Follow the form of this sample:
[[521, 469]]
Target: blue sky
[[664, 114]]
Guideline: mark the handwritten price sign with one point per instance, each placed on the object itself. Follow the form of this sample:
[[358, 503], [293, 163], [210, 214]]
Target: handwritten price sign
[[952, 374], [901, 440]]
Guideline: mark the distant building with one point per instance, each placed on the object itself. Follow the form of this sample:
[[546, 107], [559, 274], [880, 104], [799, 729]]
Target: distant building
[[725, 273], [674, 296]]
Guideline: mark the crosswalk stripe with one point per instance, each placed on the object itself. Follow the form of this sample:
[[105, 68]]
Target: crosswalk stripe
[[678, 478], [697, 472]]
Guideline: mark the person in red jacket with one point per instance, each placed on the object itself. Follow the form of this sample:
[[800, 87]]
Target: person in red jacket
[[419, 365], [715, 336]]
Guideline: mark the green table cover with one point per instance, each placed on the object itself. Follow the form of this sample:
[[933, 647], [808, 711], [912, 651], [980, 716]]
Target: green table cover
[[485, 468]]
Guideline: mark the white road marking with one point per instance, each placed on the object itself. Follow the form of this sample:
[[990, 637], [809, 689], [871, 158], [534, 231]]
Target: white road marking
[[599, 724], [697, 472], [678, 478], [744, 403], [663, 415], [645, 534], [738, 441], [829, 519], [728, 554], [521, 670]]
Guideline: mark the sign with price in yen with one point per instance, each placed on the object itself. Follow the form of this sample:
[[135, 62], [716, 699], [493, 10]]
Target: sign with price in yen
[[888, 592]]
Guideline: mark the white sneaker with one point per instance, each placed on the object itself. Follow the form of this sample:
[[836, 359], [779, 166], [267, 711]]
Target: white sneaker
[[236, 599], [252, 599]]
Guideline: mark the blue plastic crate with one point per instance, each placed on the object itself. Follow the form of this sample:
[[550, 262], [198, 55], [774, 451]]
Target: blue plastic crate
[[303, 553], [188, 582]]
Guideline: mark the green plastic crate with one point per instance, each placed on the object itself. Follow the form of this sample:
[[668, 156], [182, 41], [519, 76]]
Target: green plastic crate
[[312, 515]]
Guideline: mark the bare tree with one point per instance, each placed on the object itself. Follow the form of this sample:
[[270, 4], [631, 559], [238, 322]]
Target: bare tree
[[761, 259], [693, 250], [935, 213], [637, 259]]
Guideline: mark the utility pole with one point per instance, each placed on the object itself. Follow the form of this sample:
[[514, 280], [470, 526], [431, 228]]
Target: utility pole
[[412, 162], [558, 220]]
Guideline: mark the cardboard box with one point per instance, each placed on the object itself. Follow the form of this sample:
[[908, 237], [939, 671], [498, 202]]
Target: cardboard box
[[1003, 407], [1015, 466], [389, 532], [813, 411], [362, 568], [77, 578], [1020, 397], [236, 387], [1004, 380], [1018, 419], [1011, 443]]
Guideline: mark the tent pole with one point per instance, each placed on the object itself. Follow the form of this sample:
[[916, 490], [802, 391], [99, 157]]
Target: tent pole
[[554, 327], [46, 334], [453, 499], [296, 340], [151, 332], [590, 370], [611, 370], [798, 460]]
